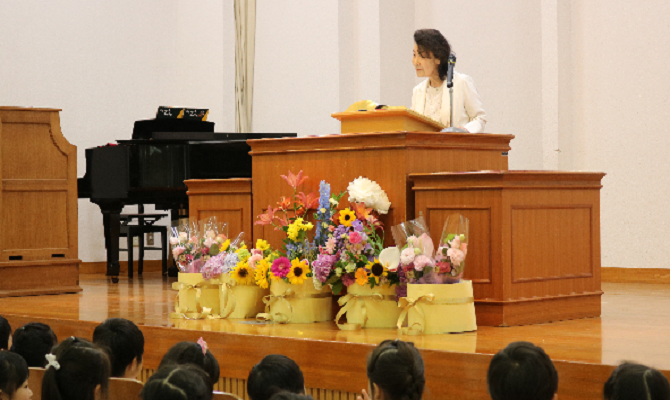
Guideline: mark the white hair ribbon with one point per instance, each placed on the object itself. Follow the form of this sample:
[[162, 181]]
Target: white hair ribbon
[[52, 362]]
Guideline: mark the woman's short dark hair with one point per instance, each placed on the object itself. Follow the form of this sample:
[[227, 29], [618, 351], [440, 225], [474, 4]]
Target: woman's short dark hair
[[178, 382], [396, 367], [13, 372], [432, 41], [275, 373], [191, 353], [630, 381], [82, 366], [33, 341], [5, 332], [123, 339], [522, 371]]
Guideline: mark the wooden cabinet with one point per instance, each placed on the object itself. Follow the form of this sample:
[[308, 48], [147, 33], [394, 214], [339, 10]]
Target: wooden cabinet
[[38, 204], [534, 240]]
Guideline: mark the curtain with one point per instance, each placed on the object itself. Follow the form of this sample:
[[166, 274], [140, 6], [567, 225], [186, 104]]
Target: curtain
[[245, 35]]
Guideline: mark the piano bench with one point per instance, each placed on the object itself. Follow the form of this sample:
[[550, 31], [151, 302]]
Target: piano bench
[[145, 224]]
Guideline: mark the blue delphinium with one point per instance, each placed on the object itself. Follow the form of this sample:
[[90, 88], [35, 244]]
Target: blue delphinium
[[323, 214]]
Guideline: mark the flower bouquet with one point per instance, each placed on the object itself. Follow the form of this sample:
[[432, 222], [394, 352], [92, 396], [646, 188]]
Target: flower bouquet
[[349, 255], [192, 248], [293, 295], [430, 306]]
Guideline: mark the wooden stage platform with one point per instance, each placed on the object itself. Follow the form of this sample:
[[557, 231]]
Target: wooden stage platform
[[635, 326]]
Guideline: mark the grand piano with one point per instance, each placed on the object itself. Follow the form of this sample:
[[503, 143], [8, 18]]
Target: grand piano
[[151, 168]]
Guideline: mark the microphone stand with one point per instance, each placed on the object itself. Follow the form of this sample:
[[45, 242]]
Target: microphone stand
[[450, 85]]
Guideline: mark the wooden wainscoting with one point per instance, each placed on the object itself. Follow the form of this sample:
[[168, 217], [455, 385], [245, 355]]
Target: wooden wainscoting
[[635, 275]]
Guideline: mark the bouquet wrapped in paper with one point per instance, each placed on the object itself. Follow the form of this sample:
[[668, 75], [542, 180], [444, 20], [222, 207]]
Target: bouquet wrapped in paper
[[450, 255], [293, 295], [185, 242]]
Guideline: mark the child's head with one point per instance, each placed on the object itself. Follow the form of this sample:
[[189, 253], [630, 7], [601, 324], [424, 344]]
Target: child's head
[[5, 333], [77, 370], [178, 382], [395, 371], [522, 371], [290, 396], [32, 342], [634, 381], [124, 342], [192, 353], [275, 373], [13, 377]]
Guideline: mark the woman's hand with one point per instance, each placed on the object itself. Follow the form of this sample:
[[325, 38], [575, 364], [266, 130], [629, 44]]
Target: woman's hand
[[364, 396]]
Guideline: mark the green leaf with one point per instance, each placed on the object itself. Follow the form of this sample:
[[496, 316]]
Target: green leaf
[[337, 287]]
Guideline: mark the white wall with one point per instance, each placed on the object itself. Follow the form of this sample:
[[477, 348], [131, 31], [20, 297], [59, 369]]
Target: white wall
[[582, 85], [296, 77], [107, 64]]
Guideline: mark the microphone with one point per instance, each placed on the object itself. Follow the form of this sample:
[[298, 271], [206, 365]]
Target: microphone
[[450, 70]]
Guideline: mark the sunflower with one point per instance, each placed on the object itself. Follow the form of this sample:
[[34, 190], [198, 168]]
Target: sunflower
[[224, 245], [261, 274], [361, 276], [242, 274], [298, 272], [347, 217], [377, 269]]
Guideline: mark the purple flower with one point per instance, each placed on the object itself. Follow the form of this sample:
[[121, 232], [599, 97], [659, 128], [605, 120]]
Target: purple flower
[[357, 225], [281, 267], [348, 279], [322, 266]]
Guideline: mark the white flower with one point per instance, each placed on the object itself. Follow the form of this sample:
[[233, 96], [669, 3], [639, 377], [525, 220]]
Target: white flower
[[363, 190], [183, 236], [317, 283], [174, 241], [338, 271], [209, 242], [210, 234], [334, 202], [390, 257], [351, 267]]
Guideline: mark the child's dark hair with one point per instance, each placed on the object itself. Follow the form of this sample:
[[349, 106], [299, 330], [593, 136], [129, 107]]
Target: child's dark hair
[[191, 353], [178, 382], [5, 332], [81, 366], [13, 372], [275, 373], [634, 381], [396, 367], [125, 343], [284, 395], [522, 371], [33, 341]]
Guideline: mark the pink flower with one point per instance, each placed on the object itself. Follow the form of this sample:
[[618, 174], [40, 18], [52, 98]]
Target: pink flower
[[464, 247], [294, 180], [456, 256], [331, 228], [456, 242], [254, 259], [174, 241], [407, 255], [203, 344], [281, 267], [414, 241], [422, 261], [427, 245], [330, 245], [444, 267], [355, 237], [209, 242], [265, 219], [177, 251]]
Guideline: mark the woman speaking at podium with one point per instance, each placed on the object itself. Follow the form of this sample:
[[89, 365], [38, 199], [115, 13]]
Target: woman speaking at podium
[[431, 97]]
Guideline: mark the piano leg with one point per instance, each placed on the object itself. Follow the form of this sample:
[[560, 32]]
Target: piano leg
[[112, 224]]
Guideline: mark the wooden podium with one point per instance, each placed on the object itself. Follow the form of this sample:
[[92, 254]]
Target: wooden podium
[[394, 120], [387, 158], [38, 204]]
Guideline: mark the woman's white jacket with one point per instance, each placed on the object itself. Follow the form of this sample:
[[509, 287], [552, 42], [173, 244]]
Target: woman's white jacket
[[468, 111]]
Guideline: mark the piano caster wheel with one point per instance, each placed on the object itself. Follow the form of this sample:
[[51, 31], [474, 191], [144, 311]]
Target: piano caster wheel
[[115, 279]]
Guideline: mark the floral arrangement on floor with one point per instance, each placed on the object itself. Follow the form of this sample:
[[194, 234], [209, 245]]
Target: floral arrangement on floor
[[292, 264], [352, 240]]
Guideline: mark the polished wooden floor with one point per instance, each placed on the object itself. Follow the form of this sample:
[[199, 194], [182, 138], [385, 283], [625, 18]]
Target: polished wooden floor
[[635, 322], [635, 325]]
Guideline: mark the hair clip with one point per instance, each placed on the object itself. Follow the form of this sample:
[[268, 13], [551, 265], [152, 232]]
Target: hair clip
[[203, 344], [52, 361]]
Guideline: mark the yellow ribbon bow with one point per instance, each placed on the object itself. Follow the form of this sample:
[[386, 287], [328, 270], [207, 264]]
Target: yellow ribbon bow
[[230, 299], [408, 303], [182, 312], [348, 301], [288, 294]]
